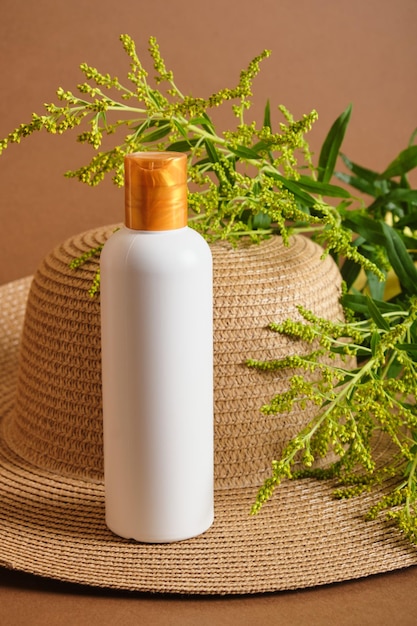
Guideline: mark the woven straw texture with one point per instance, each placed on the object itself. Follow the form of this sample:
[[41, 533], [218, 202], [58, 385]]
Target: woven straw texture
[[51, 491]]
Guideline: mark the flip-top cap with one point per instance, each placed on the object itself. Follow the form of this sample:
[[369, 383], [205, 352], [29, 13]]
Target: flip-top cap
[[156, 190]]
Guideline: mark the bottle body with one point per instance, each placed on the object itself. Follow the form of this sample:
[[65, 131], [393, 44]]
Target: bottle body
[[157, 365]]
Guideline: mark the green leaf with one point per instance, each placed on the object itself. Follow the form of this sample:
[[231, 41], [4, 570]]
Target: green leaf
[[401, 262], [369, 182], [331, 146], [413, 332], [155, 96], [359, 304], [259, 147], [363, 173], [294, 188], [204, 121], [375, 341], [394, 197], [376, 286], [180, 128], [408, 220], [140, 128], [207, 124], [350, 271], [211, 151], [267, 115], [394, 368], [182, 146], [357, 183], [322, 189], [261, 220], [405, 161], [243, 152], [157, 134], [376, 315], [412, 137], [410, 348], [369, 228]]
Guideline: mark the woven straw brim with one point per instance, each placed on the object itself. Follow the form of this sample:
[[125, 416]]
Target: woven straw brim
[[54, 526]]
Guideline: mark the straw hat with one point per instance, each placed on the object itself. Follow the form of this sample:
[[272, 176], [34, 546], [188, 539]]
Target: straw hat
[[51, 490]]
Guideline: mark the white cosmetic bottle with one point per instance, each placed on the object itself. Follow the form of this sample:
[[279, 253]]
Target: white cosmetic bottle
[[157, 360]]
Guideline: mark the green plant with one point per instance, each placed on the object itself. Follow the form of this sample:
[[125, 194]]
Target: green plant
[[246, 182], [254, 182], [378, 396]]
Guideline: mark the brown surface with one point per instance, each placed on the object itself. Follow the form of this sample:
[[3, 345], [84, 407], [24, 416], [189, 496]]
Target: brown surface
[[388, 600], [325, 55]]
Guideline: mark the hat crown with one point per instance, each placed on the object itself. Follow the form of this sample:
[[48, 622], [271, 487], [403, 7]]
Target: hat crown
[[57, 421]]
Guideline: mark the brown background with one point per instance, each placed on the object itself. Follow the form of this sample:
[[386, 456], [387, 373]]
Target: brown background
[[326, 54]]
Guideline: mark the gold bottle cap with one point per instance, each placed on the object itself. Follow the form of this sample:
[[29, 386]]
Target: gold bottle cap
[[156, 190]]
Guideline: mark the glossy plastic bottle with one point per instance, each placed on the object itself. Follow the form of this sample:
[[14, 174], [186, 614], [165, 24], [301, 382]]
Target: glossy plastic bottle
[[157, 360]]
